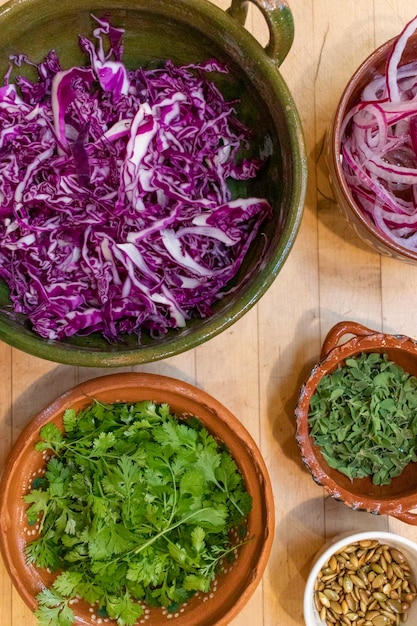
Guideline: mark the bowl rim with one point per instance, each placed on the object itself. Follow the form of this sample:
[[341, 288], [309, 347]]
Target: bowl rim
[[336, 543], [159, 386], [344, 193], [244, 49]]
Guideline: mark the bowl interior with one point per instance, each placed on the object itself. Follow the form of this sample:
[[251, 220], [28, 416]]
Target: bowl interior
[[186, 31], [359, 493], [235, 585], [373, 66]]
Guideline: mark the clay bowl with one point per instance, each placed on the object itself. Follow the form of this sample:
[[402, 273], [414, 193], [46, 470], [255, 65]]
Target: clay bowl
[[234, 587], [362, 225], [398, 498], [406, 546], [186, 31]]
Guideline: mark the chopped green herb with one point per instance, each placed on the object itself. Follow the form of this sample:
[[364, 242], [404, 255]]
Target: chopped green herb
[[136, 506], [363, 417]]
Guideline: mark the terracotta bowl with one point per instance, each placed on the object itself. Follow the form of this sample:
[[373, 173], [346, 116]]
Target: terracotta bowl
[[398, 498], [186, 31], [406, 546], [363, 226], [234, 587]]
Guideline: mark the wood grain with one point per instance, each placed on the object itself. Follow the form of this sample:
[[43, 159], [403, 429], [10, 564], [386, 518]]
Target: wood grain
[[257, 366]]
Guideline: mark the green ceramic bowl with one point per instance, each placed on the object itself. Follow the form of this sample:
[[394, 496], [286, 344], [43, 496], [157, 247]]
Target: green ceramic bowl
[[184, 31]]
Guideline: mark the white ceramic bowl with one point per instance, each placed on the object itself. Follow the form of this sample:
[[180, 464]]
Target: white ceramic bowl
[[406, 546]]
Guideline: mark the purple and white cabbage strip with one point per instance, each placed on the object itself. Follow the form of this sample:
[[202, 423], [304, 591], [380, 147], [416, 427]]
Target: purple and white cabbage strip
[[379, 147], [115, 215]]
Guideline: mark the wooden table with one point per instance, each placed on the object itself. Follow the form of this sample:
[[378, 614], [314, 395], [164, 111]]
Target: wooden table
[[256, 367]]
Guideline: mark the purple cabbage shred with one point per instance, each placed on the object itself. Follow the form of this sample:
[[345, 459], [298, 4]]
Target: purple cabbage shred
[[115, 214]]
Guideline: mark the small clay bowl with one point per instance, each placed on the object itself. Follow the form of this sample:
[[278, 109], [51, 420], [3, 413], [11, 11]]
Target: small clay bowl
[[362, 225], [404, 545], [398, 498], [234, 586]]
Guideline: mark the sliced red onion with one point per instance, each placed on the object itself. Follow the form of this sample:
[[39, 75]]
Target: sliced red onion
[[379, 147]]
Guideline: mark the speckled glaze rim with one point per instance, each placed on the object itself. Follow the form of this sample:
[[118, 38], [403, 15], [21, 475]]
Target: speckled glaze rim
[[332, 354], [183, 398], [407, 546], [366, 229], [241, 45]]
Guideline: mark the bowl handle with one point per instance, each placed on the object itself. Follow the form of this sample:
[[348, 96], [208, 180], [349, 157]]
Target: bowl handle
[[280, 23], [338, 331], [407, 517]]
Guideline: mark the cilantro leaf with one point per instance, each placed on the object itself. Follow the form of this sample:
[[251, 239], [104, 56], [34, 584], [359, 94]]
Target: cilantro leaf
[[135, 506], [53, 609], [51, 438], [124, 609]]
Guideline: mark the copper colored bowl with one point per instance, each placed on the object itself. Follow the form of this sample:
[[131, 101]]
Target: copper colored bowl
[[400, 496], [234, 587], [358, 220]]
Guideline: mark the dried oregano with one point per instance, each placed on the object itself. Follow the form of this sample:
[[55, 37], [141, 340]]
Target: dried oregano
[[363, 417]]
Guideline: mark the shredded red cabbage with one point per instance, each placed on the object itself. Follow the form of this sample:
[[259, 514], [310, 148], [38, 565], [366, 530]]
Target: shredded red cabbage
[[115, 214], [379, 147]]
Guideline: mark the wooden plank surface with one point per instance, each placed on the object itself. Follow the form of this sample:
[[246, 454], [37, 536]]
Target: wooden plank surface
[[256, 367]]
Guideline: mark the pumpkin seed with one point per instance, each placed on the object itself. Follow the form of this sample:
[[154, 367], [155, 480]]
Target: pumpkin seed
[[379, 581], [391, 616], [331, 594], [398, 571], [352, 617], [387, 554], [333, 563], [381, 620], [365, 585], [386, 589], [354, 562], [351, 602], [328, 571], [324, 599], [336, 608], [358, 581], [398, 556], [381, 597], [395, 606]]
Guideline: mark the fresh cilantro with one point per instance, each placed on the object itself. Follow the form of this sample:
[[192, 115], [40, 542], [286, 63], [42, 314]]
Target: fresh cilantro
[[53, 609], [363, 417], [136, 506]]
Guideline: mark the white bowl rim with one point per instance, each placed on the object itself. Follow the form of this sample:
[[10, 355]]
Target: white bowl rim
[[334, 544]]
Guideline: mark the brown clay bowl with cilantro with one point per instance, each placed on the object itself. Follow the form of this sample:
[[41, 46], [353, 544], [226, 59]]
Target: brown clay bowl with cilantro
[[356, 420], [133, 477]]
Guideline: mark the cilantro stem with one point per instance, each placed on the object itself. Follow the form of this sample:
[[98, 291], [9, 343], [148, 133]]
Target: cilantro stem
[[113, 493], [166, 530]]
